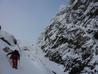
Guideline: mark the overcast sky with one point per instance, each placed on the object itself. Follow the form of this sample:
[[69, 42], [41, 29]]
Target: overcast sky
[[26, 19]]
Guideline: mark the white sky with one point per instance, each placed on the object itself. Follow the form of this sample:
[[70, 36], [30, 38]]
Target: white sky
[[26, 19]]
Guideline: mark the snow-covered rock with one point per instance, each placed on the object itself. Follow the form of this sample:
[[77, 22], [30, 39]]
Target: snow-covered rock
[[71, 38]]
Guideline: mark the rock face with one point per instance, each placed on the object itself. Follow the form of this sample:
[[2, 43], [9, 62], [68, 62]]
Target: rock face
[[71, 38]]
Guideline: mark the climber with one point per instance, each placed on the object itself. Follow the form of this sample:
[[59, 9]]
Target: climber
[[14, 57]]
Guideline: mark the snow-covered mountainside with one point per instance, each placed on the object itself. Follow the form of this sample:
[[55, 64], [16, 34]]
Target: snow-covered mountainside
[[32, 60], [71, 39]]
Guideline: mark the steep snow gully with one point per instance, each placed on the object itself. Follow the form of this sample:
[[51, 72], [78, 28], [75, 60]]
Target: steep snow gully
[[32, 60]]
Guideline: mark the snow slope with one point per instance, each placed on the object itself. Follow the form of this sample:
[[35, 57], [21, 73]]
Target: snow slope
[[50, 66], [26, 65], [32, 61]]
